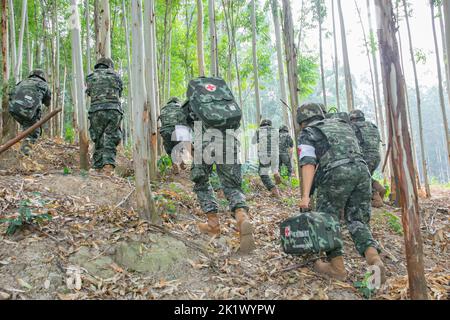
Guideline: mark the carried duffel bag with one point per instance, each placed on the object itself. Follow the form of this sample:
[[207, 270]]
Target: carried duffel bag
[[310, 232]]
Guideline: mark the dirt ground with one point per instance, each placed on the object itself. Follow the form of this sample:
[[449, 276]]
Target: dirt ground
[[96, 247]]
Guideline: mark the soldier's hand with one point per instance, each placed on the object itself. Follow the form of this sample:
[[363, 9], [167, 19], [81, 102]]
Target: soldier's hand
[[304, 203]]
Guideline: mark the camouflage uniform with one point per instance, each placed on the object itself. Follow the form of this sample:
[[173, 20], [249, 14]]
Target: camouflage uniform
[[266, 151], [343, 179], [26, 99], [369, 139], [104, 86], [286, 144], [230, 175], [171, 116]]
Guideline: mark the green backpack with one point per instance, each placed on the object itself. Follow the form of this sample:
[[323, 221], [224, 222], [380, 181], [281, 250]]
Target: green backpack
[[369, 138], [213, 103], [26, 98], [310, 232]]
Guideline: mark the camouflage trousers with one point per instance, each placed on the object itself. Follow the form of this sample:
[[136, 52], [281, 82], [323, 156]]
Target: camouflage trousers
[[167, 142], [230, 176], [26, 123], [285, 160], [373, 164], [348, 188], [264, 170], [106, 134]]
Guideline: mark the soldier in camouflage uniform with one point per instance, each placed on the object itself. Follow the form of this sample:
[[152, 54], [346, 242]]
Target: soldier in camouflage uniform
[[230, 174], [266, 153], [369, 140], [104, 87], [343, 181], [286, 145], [171, 115], [25, 104]]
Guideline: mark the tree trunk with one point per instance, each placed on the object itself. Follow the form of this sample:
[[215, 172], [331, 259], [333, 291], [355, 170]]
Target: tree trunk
[[151, 87], [79, 84], [63, 104], [320, 13], [292, 68], [18, 66], [144, 198], [377, 81], [401, 153], [200, 50], [5, 67], [130, 78], [213, 39], [419, 103], [336, 57], [12, 39], [281, 73], [255, 62], [347, 72], [447, 38], [441, 89], [88, 36], [103, 22], [444, 46]]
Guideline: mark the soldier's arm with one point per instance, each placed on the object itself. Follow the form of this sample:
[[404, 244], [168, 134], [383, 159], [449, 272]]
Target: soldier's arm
[[308, 163], [47, 98], [120, 85]]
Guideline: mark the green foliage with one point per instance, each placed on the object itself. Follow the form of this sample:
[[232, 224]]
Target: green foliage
[[394, 222], [69, 134], [25, 217], [165, 205], [421, 56], [295, 183], [246, 185], [363, 286], [290, 201], [215, 180], [308, 70], [164, 165], [67, 171]]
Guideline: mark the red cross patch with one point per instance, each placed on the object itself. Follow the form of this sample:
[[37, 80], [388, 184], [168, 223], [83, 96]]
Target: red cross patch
[[210, 87], [287, 232]]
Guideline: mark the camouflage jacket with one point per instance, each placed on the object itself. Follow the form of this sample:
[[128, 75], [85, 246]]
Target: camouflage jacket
[[31, 93], [267, 139], [369, 139], [172, 115], [286, 142], [334, 143], [105, 87]]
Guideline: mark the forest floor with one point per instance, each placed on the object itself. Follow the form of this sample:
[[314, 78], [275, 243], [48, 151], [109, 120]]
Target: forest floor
[[95, 247]]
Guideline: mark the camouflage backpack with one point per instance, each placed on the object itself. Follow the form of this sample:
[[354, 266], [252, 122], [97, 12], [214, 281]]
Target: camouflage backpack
[[26, 98], [213, 103], [310, 232], [172, 115], [344, 146], [369, 138], [104, 86]]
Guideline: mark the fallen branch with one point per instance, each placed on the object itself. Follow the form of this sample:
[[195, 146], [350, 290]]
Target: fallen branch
[[297, 266], [27, 132], [124, 199]]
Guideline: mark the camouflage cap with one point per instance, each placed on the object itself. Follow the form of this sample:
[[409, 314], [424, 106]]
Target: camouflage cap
[[357, 115], [266, 123], [174, 100], [284, 129], [309, 111], [106, 62], [38, 73]]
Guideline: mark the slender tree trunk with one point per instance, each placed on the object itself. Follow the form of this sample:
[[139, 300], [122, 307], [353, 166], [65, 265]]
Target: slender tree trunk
[[79, 84], [88, 35], [18, 66], [63, 104], [347, 72], [213, 38], [12, 39], [103, 21], [292, 68], [336, 57], [419, 103], [5, 67], [151, 87], [130, 78], [401, 146], [255, 62], [281, 73], [377, 81], [446, 4], [29, 48], [441, 89], [318, 7], [444, 46], [144, 198], [200, 50]]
